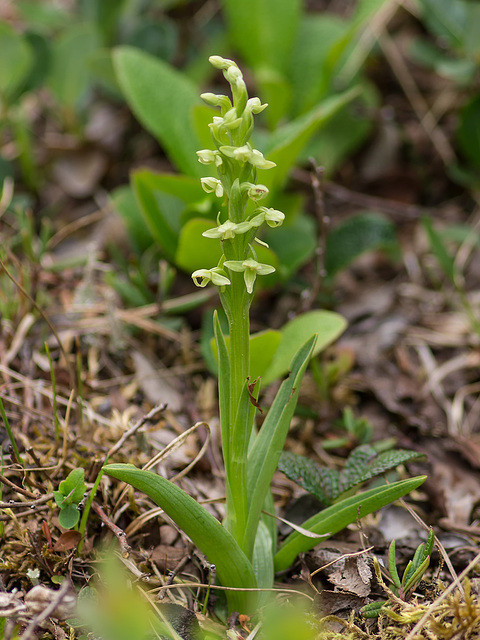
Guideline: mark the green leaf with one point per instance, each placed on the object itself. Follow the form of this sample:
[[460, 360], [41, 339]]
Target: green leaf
[[161, 210], [268, 445], [263, 31], [74, 487], [285, 145], [232, 566], [194, 251], [294, 244], [15, 61], [124, 202], [363, 232], [319, 481], [327, 324], [162, 99], [439, 250], [341, 514], [263, 346], [309, 73], [69, 516], [365, 463], [468, 131], [263, 559], [69, 76]]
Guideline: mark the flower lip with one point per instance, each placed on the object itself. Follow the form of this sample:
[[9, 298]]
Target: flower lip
[[201, 277], [228, 230]]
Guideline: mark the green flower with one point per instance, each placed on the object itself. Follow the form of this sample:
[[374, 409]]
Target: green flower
[[214, 100], [255, 191], [272, 217], [247, 154], [208, 156], [202, 277], [251, 268], [227, 230], [212, 185]]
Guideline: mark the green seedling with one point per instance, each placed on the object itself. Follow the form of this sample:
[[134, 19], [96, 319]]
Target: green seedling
[[414, 572], [69, 495], [244, 547]]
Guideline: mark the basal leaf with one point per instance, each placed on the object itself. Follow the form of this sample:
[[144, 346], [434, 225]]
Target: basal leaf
[[326, 324], [162, 99], [363, 232], [364, 463], [341, 514], [15, 60], [468, 131], [439, 249], [232, 566], [319, 481], [194, 251], [69, 76], [263, 31], [160, 209], [286, 143], [268, 445]]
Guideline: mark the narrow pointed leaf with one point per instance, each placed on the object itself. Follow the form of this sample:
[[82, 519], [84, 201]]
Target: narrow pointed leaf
[[232, 566], [341, 514], [267, 448]]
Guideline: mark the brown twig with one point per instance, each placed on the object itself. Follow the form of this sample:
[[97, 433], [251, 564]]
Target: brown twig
[[57, 599], [117, 532], [149, 416], [15, 487], [11, 504]]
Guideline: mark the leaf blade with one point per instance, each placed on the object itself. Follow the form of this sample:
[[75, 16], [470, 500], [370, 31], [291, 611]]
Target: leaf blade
[[221, 549], [339, 515]]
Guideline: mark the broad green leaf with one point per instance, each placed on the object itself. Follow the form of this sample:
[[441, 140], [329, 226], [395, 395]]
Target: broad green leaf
[[194, 251], [294, 244], [361, 233], [446, 19], [328, 325], [437, 245], [364, 463], [15, 61], [345, 131], [276, 91], [124, 202], [263, 31], [309, 74], [268, 444], [74, 485], [232, 566], [468, 131], [105, 15], [161, 206], [69, 516], [69, 77], [341, 514], [162, 99], [285, 145], [319, 481]]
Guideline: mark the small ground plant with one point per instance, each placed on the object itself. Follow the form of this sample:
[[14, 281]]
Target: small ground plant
[[244, 547]]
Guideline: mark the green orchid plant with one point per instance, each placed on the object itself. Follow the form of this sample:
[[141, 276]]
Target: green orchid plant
[[244, 547]]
